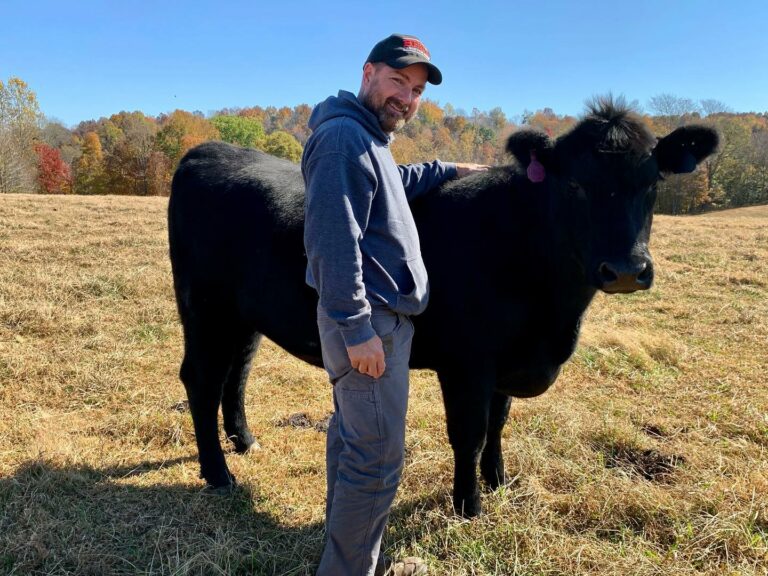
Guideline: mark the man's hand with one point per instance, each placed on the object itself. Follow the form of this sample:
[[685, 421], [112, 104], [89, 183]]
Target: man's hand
[[368, 357], [466, 168]]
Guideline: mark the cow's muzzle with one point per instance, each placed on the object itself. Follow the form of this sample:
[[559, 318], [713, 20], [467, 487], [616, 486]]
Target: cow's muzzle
[[622, 278]]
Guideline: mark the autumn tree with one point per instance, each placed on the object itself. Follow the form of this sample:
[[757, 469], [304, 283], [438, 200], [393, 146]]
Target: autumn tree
[[127, 160], [455, 124], [683, 193], [89, 168], [159, 174], [58, 136], [430, 114], [180, 131], [498, 119], [404, 150], [277, 118], [109, 133], [19, 127], [759, 155], [740, 168], [300, 125], [256, 112], [550, 123], [443, 140], [53, 174]]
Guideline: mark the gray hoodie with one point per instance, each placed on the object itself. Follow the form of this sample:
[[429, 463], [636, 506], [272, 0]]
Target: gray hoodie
[[361, 241]]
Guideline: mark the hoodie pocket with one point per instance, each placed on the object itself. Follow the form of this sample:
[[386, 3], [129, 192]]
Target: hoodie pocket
[[414, 291]]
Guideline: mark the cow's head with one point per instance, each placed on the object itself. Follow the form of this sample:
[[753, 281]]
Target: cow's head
[[602, 175]]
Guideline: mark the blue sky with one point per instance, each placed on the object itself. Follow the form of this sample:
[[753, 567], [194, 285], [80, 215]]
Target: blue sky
[[87, 59]]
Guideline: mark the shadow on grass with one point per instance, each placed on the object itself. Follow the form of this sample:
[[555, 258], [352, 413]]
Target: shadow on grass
[[82, 520]]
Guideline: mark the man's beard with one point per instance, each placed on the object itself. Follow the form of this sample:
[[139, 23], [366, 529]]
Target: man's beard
[[389, 122]]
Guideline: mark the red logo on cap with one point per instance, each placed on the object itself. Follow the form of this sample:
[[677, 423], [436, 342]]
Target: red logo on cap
[[415, 45]]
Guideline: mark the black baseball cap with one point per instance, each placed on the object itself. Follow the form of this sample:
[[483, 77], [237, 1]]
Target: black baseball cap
[[400, 50]]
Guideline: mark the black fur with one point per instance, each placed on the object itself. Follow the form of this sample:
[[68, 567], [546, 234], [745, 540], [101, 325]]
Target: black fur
[[513, 265], [613, 127], [685, 148], [523, 142]]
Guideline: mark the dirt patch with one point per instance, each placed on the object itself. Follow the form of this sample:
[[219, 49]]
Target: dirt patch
[[181, 406], [650, 464], [654, 431], [304, 420]]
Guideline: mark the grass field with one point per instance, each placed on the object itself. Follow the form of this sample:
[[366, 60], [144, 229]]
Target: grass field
[[648, 456]]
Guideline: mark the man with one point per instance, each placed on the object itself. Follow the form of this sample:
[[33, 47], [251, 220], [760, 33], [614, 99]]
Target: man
[[365, 263]]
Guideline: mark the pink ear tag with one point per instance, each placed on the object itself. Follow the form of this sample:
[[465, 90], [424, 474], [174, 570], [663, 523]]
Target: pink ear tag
[[536, 172]]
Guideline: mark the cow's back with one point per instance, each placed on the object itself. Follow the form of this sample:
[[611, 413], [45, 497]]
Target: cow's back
[[235, 225]]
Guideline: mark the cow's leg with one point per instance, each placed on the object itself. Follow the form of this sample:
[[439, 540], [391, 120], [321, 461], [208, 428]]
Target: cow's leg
[[233, 400], [207, 356], [492, 460], [467, 404]]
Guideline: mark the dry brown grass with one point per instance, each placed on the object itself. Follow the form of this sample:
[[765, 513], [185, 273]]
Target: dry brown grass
[[649, 456]]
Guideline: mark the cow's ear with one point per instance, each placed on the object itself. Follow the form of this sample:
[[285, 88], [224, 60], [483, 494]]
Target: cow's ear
[[533, 151], [682, 150]]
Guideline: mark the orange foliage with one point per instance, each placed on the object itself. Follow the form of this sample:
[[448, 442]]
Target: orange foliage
[[430, 113], [182, 130], [405, 150], [135, 154], [550, 123], [89, 168]]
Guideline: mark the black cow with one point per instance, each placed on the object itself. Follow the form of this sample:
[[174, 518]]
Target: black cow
[[514, 255]]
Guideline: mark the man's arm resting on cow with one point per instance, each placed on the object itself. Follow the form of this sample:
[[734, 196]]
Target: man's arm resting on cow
[[418, 179]]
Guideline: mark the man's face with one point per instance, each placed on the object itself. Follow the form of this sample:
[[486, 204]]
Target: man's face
[[392, 94]]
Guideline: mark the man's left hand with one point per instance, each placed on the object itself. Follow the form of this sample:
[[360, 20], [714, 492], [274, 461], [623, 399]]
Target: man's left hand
[[466, 168]]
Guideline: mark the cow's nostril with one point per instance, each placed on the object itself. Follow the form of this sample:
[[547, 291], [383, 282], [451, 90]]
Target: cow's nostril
[[645, 276], [607, 274]]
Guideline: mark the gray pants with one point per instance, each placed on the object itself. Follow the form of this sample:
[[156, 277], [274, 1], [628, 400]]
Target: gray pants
[[365, 446]]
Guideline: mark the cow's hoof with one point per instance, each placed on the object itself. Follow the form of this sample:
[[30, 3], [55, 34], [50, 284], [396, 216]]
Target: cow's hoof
[[244, 443], [222, 490], [468, 507], [223, 480], [252, 447]]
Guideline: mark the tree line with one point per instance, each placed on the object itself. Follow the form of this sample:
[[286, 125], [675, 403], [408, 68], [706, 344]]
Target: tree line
[[135, 154]]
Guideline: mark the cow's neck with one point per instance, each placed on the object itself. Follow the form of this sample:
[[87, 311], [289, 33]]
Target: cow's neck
[[566, 290]]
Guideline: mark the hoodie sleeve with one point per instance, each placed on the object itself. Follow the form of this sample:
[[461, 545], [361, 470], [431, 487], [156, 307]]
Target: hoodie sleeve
[[339, 195], [418, 179]]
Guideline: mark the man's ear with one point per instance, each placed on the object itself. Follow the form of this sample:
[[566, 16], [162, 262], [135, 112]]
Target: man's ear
[[534, 151], [368, 70], [681, 151]]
